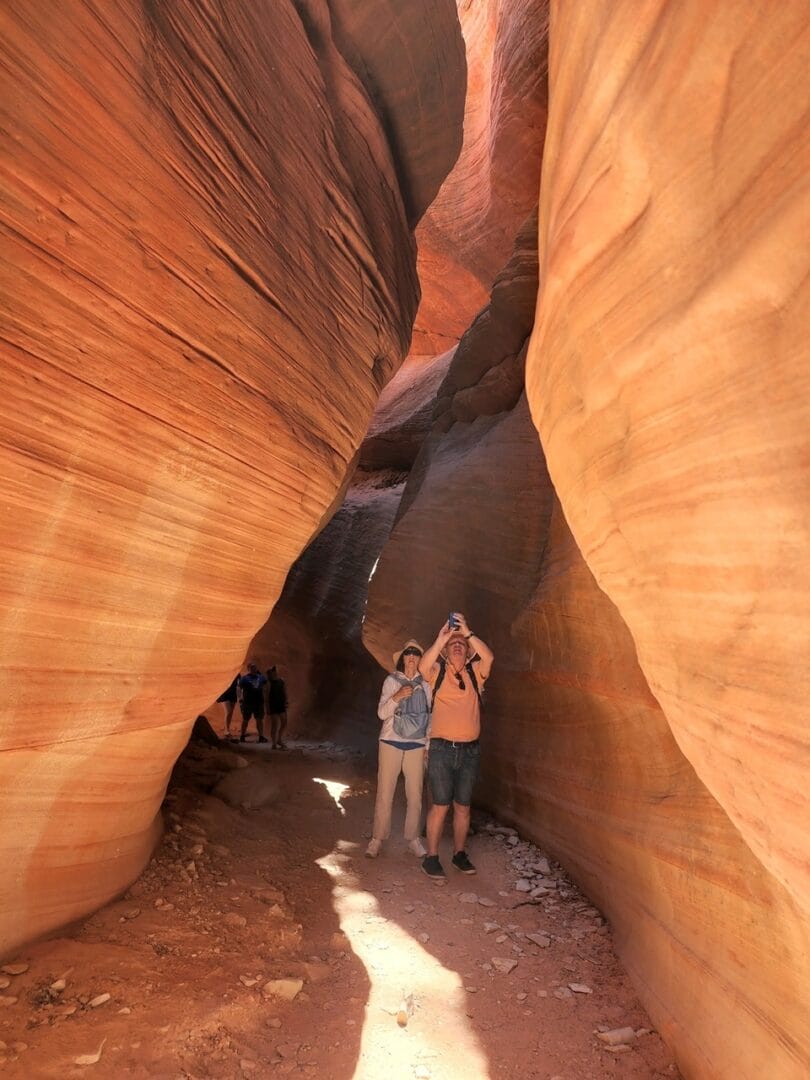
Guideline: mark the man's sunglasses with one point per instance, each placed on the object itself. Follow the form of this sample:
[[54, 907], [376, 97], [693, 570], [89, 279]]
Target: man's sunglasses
[[459, 680]]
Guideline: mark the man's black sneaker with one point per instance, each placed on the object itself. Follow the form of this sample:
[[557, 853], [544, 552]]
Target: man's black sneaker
[[462, 863], [433, 868], [262, 738]]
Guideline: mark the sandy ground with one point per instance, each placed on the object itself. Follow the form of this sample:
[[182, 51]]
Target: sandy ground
[[237, 898]]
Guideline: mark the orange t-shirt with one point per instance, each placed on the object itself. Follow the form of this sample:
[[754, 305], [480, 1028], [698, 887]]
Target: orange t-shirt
[[456, 712]]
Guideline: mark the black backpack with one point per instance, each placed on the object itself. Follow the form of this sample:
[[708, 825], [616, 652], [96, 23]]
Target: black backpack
[[443, 671]]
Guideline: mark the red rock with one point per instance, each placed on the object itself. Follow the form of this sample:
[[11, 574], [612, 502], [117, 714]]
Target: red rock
[[668, 380], [469, 231], [202, 222]]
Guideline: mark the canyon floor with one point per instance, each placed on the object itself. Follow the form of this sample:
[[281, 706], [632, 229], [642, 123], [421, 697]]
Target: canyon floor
[[392, 976]]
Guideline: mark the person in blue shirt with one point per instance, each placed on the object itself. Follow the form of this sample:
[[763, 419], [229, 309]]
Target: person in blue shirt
[[251, 700]]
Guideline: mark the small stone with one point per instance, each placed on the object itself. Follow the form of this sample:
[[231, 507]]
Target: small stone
[[15, 969], [288, 989], [234, 919], [522, 885], [468, 898], [247, 981], [90, 1059], [6, 1000], [501, 938], [617, 1036], [125, 1011], [339, 942], [580, 988], [512, 840], [317, 972], [19, 1047], [522, 997], [274, 1022], [132, 913], [58, 986], [484, 901], [409, 908], [247, 1066], [562, 992], [491, 927], [100, 999], [542, 941], [424, 938], [471, 989], [503, 966], [4, 982]]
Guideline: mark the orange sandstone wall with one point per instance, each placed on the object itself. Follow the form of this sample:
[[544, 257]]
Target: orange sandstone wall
[[202, 221], [668, 375], [577, 750], [469, 231]]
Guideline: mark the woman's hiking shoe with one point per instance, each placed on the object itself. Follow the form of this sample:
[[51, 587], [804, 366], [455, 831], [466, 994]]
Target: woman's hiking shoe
[[433, 868], [373, 849], [416, 847], [462, 863]]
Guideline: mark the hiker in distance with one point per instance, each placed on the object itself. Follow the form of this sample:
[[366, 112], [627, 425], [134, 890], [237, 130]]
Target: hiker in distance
[[404, 709], [456, 666]]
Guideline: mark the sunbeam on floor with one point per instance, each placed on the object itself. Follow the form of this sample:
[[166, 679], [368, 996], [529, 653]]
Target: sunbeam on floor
[[416, 1020]]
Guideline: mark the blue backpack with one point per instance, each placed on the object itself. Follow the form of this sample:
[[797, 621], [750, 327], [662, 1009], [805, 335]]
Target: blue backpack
[[412, 714]]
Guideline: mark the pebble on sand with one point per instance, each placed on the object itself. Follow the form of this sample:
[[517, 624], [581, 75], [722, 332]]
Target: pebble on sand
[[288, 989], [503, 966], [617, 1036]]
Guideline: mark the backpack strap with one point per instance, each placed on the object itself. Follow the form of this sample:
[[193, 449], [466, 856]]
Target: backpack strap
[[473, 679], [439, 679], [443, 671]]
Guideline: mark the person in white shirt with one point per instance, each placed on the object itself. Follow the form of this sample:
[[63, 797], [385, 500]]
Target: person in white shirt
[[404, 709]]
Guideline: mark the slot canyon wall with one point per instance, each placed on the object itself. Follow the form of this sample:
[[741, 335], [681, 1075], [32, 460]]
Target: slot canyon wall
[[208, 226], [208, 273], [646, 718], [464, 239]]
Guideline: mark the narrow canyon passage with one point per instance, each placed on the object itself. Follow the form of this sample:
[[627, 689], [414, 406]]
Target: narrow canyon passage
[[189, 974], [324, 318]]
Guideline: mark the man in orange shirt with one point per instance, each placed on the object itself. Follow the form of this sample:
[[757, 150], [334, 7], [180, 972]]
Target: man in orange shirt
[[456, 665]]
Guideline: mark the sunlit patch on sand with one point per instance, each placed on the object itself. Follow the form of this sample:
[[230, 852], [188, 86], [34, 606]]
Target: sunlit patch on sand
[[336, 790], [401, 970]]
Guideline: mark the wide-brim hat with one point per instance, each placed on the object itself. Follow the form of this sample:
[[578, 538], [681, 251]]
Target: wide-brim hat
[[409, 644], [459, 637]]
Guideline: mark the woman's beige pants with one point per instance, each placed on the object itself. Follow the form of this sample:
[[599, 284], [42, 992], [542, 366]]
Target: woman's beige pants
[[392, 762]]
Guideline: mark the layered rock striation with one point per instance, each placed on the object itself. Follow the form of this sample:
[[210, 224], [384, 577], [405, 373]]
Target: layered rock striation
[[205, 218], [577, 750], [669, 382], [469, 231]]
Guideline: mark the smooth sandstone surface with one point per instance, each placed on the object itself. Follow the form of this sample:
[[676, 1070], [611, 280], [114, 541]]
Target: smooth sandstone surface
[[468, 233], [577, 752], [202, 225], [669, 381]]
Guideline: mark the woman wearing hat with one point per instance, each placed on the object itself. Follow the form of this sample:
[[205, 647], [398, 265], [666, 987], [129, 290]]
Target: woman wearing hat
[[405, 713]]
